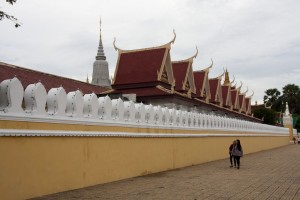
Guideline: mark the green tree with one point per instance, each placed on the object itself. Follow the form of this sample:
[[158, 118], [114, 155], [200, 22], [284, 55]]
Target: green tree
[[274, 99], [291, 94], [268, 115], [4, 15]]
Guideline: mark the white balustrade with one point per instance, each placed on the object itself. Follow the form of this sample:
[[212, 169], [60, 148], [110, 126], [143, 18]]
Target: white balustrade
[[74, 104]]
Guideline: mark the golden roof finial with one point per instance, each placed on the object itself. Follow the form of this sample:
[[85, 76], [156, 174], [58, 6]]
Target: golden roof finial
[[226, 80]]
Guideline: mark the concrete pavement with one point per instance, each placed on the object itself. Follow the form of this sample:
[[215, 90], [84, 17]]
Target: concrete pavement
[[272, 174]]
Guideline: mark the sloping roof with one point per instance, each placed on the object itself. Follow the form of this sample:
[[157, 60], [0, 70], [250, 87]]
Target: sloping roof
[[248, 105], [242, 103], [139, 66], [214, 84], [180, 70], [234, 99], [199, 82], [226, 95], [29, 76]]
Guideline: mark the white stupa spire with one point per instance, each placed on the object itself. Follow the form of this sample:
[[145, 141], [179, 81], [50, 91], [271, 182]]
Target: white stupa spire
[[287, 112], [100, 53], [100, 67]]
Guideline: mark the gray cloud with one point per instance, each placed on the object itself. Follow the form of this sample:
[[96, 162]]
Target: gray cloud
[[258, 41]]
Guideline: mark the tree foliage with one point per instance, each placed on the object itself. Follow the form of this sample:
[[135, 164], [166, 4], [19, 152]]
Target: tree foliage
[[275, 101], [4, 15], [267, 115]]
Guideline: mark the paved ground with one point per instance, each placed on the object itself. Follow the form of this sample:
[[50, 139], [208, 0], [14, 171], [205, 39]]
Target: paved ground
[[273, 174]]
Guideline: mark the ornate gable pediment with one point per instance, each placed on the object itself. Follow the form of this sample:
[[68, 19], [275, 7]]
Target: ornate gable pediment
[[166, 72]]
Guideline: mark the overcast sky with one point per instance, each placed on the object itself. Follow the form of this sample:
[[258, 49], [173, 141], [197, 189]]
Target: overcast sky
[[257, 40]]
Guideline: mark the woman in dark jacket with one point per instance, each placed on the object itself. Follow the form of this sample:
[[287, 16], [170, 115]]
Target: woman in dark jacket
[[237, 153], [230, 154]]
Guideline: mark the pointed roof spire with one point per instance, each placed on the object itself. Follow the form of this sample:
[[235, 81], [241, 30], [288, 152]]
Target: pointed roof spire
[[100, 53], [226, 81]]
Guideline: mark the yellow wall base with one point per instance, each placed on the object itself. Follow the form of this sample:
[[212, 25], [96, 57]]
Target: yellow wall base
[[35, 166]]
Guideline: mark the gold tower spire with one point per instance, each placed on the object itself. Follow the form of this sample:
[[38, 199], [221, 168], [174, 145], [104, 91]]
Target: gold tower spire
[[226, 81]]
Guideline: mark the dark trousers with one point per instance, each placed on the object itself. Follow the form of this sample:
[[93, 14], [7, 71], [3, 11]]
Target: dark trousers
[[231, 159], [236, 160]]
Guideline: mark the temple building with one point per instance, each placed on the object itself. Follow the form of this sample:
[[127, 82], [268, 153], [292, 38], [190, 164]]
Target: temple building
[[150, 76], [100, 67]]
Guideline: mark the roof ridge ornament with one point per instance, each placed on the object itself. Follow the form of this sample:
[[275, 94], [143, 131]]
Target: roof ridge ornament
[[219, 77], [167, 45], [244, 93], [188, 59], [239, 88], [233, 80], [251, 94], [114, 43], [207, 69]]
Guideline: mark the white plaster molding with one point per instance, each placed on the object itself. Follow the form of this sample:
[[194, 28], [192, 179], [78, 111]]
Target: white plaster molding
[[61, 133]]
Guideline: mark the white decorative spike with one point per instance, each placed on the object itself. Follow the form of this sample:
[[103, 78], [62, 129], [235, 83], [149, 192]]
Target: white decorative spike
[[149, 117], [117, 110], [57, 101], [166, 116], [90, 105], [35, 98], [11, 95], [157, 115], [129, 111], [74, 104], [105, 108], [140, 113]]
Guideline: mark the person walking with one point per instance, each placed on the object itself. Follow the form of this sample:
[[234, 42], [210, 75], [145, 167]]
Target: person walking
[[237, 153], [230, 154]]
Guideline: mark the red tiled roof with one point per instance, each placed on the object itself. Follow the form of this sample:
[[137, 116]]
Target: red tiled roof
[[225, 94], [241, 99], [179, 72], [28, 76], [233, 96], [213, 83], [139, 66], [248, 108], [199, 81]]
